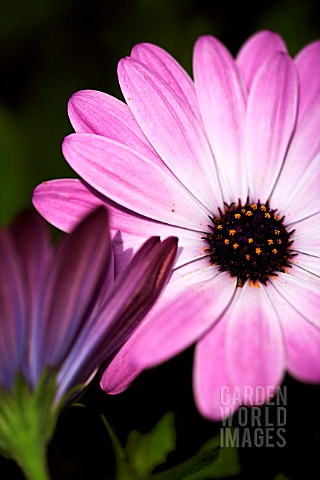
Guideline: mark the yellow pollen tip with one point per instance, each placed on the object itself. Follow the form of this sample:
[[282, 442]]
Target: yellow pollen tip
[[274, 251], [258, 251], [247, 257], [254, 206], [270, 242], [232, 232], [267, 215], [249, 213], [276, 217], [235, 245], [277, 232], [243, 210], [279, 241], [250, 240], [227, 241], [263, 208], [237, 215], [220, 227]]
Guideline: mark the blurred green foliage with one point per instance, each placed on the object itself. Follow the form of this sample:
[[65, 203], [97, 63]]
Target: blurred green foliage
[[52, 48]]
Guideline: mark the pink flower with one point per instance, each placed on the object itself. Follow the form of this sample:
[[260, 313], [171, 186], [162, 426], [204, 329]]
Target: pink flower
[[230, 164]]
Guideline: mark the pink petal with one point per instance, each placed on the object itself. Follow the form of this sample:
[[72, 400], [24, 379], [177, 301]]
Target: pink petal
[[270, 121], [132, 180], [170, 70], [193, 301], [302, 340], [303, 200], [213, 390], [308, 63], [305, 144], [64, 202], [172, 130], [96, 112], [254, 343], [222, 101], [256, 50], [302, 295]]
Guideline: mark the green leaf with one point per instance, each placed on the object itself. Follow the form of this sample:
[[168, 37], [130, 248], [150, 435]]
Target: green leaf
[[147, 451], [190, 468], [227, 464]]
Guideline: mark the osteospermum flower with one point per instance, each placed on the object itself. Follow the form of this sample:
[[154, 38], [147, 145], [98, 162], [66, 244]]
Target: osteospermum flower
[[62, 313], [230, 164]]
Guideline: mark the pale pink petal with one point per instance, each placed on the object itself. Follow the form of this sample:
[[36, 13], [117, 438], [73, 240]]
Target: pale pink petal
[[256, 50], [91, 111], [302, 340], [213, 390], [303, 200], [305, 146], [309, 263], [191, 303], [254, 343], [132, 180], [172, 130], [170, 70], [222, 101], [307, 235], [270, 121], [302, 295]]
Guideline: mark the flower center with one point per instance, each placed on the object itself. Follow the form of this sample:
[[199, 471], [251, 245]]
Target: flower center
[[249, 241]]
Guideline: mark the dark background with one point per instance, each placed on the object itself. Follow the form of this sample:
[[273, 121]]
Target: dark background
[[50, 49]]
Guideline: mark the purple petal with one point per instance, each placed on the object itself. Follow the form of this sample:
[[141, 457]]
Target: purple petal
[[82, 266], [270, 121], [133, 295], [32, 239], [256, 50], [132, 180], [222, 101], [96, 112], [171, 128], [170, 71], [302, 339], [14, 311]]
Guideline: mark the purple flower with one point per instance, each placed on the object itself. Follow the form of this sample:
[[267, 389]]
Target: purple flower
[[230, 164], [63, 310]]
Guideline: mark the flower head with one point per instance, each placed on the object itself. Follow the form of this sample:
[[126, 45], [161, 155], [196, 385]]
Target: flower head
[[229, 163], [62, 313]]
